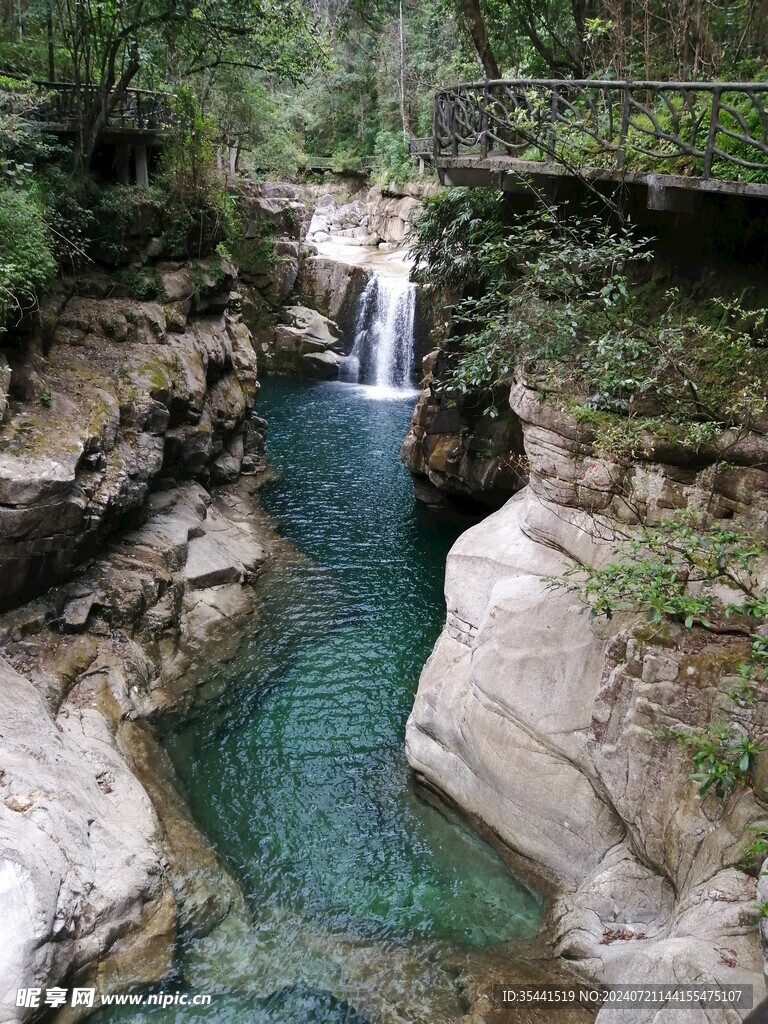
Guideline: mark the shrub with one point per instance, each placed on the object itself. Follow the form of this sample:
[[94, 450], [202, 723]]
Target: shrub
[[391, 159], [679, 571], [26, 258]]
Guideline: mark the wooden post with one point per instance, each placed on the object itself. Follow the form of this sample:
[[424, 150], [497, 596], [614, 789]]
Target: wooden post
[[625, 110], [714, 126]]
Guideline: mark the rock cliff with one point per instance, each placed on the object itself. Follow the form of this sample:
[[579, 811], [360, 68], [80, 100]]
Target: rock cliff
[[378, 216], [101, 866], [460, 457], [299, 306], [129, 448], [111, 395], [553, 730]]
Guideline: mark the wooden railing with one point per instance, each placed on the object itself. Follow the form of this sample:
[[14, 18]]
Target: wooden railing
[[325, 163], [698, 129], [421, 147], [65, 104]]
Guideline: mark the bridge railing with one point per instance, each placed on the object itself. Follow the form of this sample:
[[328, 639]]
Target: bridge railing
[[139, 109], [420, 147], [717, 129], [319, 163], [326, 163]]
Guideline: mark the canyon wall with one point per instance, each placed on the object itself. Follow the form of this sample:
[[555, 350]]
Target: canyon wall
[[130, 542], [554, 729], [459, 456]]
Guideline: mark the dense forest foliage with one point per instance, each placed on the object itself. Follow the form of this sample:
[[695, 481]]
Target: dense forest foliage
[[350, 78], [260, 86]]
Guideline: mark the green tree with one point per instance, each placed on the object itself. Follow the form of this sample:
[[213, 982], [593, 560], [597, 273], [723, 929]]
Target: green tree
[[110, 42]]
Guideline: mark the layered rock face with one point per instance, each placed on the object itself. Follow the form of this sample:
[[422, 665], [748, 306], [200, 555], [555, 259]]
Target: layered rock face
[[116, 394], [458, 455], [378, 217], [275, 218], [100, 866], [553, 730], [129, 448], [300, 306], [286, 282], [333, 288]]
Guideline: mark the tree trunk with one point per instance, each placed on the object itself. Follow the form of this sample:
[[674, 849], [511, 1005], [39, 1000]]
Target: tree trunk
[[473, 19], [94, 115], [403, 111], [51, 48]]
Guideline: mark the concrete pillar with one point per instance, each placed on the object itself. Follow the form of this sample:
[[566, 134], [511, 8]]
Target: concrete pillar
[[123, 165], [142, 165], [232, 159]]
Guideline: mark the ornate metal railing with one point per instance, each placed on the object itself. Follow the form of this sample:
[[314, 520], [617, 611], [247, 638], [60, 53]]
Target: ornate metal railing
[[65, 104], [703, 129]]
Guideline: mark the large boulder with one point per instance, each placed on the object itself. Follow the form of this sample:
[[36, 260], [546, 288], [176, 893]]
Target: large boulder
[[306, 344], [460, 455], [82, 870], [390, 219], [334, 288]]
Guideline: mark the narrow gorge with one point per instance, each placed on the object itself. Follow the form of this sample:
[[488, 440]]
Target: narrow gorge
[[205, 786]]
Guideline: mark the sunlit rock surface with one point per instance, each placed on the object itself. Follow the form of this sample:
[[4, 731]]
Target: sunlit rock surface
[[554, 729]]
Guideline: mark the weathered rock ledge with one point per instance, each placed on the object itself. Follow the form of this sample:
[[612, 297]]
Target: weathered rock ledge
[[129, 454], [111, 395], [101, 867], [550, 729], [457, 454]]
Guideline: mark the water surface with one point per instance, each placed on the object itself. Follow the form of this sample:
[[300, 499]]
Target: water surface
[[363, 900]]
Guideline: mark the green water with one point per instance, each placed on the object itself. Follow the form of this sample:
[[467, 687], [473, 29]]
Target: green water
[[364, 902]]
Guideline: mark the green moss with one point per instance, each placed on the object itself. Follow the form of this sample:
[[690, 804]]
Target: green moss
[[100, 411], [139, 284], [158, 374]]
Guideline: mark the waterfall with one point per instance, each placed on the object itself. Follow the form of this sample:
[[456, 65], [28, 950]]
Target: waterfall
[[382, 353]]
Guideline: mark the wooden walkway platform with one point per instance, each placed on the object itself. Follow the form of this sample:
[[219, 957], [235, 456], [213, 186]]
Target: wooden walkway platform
[[140, 116]]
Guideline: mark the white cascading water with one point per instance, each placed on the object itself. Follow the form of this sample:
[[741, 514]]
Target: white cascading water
[[382, 353]]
